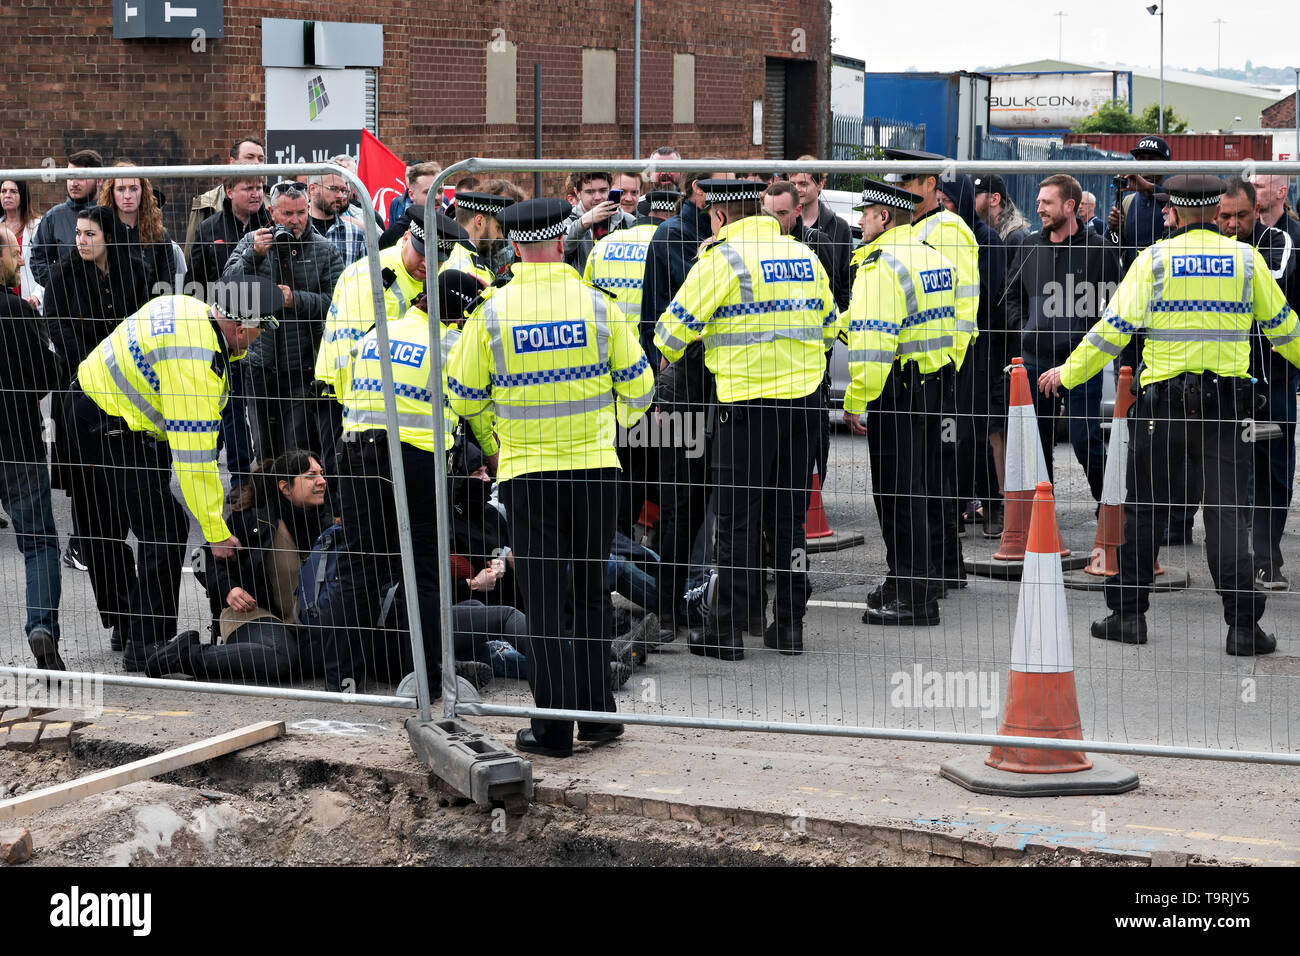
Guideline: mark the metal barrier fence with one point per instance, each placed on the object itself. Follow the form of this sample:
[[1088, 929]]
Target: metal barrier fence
[[1178, 695], [995, 150], [853, 138], [103, 276]]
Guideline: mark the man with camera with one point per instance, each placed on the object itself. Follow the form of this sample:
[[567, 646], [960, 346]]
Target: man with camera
[[1137, 218], [305, 265]]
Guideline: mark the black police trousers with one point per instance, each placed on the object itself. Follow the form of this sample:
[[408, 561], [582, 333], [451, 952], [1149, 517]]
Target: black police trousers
[[121, 484], [561, 527], [683, 503], [903, 438], [1200, 417], [762, 469], [355, 646]]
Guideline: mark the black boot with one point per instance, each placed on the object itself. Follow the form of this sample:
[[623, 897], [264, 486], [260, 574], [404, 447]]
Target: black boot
[[899, 613], [1247, 641], [730, 647], [1129, 629], [174, 656], [788, 639]]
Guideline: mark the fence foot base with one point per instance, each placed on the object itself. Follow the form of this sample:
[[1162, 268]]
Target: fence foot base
[[1173, 579], [1011, 570], [835, 541], [1105, 777], [465, 759]]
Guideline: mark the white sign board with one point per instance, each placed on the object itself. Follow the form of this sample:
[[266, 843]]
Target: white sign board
[[1050, 101], [315, 98]]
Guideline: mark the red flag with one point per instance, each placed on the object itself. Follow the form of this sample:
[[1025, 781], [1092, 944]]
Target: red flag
[[382, 172]]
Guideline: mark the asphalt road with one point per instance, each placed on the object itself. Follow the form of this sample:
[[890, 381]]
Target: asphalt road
[[1180, 689]]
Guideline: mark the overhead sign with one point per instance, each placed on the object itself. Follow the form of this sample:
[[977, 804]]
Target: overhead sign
[[1050, 101], [134, 19], [313, 113]]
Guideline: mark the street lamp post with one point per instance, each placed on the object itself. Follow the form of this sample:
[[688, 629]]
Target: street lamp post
[[1218, 65], [1059, 14], [1154, 10]]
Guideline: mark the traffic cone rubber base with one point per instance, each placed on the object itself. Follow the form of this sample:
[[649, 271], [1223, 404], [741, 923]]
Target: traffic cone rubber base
[[1012, 570], [1167, 578], [818, 535], [1105, 777]]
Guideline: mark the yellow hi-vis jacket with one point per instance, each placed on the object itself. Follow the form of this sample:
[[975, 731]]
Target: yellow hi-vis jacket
[[465, 259], [948, 233], [352, 313], [1194, 296], [408, 345], [163, 371], [762, 303], [548, 362], [617, 265], [904, 306]]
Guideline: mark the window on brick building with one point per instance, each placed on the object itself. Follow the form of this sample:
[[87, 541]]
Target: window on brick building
[[683, 87], [502, 80], [598, 86]]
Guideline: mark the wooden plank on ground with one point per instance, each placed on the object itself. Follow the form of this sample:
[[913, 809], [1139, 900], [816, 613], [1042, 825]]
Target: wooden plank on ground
[[165, 762]]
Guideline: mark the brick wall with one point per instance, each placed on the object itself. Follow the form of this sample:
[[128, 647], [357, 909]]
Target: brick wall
[[159, 101], [1281, 115]]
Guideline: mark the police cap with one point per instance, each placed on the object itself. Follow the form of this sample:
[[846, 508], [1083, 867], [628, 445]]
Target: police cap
[[252, 301], [1151, 147], [1194, 189], [449, 232], [663, 200], [486, 203], [457, 293], [904, 173], [885, 194], [535, 220], [731, 190]]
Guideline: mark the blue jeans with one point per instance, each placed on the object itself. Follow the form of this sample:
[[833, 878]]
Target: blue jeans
[[25, 493], [1274, 473], [627, 578], [1083, 409], [235, 434]]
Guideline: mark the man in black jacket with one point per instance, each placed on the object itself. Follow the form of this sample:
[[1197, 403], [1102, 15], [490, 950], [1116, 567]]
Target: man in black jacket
[[1277, 380], [241, 212], [837, 231], [57, 232], [30, 370], [1058, 286], [306, 266]]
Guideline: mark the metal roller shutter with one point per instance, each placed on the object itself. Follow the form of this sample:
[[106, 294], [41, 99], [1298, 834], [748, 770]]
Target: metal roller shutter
[[774, 110]]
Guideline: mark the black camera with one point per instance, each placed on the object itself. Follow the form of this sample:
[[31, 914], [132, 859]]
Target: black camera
[[1120, 182], [283, 234]]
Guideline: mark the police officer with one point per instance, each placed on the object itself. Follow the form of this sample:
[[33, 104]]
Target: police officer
[[762, 304], [903, 337], [352, 314], [547, 366], [477, 214], [617, 262], [371, 557], [148, 399], [947, 232], [1194, 296]]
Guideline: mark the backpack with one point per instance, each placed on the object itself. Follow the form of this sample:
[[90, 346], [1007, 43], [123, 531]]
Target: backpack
[[318, 579]]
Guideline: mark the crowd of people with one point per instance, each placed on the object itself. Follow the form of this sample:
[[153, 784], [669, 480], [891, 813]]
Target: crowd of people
[[703, 306]]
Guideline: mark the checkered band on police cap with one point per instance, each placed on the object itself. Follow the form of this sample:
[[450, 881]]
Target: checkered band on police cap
[[485, 203], [883, 194], [1194, 190], [663, 200], [535, 220], [730, 190]]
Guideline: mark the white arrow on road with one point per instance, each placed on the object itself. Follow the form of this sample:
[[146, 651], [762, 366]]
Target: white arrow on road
[[170, 12], [129, 12]]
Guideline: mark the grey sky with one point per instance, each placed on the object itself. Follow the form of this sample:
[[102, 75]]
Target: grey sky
[[962, 35]]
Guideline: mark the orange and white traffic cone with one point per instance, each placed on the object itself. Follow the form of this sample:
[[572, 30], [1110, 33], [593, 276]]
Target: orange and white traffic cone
[[1041, 697], [1026, 467], [1103, 561], [817, 530]]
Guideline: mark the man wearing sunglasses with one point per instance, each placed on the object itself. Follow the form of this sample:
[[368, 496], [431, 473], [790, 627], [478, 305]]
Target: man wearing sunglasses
[[305, 266]]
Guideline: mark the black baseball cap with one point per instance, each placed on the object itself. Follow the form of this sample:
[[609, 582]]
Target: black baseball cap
[[1151, 147]]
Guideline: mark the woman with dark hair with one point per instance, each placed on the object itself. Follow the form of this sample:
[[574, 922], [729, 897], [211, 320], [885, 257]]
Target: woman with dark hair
[[278, 518], [91, 290], [136, 205], [22, 221]]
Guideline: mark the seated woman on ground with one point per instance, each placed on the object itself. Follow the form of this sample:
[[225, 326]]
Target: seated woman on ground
[[278, 518]]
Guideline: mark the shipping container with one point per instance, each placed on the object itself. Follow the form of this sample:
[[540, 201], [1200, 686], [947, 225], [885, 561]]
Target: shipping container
[[1191, 147], [954, 107], [1049, 103]]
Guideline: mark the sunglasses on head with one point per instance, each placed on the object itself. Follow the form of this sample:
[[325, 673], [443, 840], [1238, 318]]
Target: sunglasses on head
[[288, 186]]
